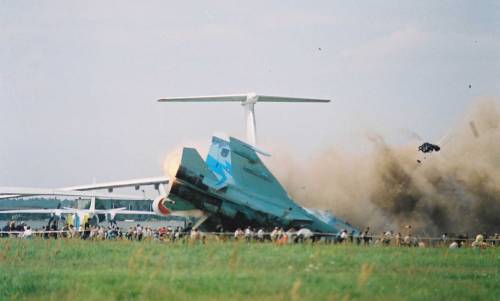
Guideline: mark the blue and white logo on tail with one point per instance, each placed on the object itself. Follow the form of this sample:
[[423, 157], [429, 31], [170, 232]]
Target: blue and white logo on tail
[[219, 160]]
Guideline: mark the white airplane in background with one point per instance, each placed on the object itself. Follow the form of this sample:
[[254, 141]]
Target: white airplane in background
[[81, 215], [85, 191]]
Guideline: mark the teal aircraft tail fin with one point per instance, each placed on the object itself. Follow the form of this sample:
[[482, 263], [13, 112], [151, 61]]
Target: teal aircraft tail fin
[[193, 168]]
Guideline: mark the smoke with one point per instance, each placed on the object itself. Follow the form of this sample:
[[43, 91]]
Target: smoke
[[456, 190]]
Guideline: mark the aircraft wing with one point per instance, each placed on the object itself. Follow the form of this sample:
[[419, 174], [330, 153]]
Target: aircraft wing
[[184, 213], [23, 191], [119, 184], [126, 212], [28, 191], [47, 211], [129, 212]]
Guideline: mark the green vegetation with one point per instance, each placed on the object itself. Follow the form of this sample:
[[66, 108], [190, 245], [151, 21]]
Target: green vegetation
[[129, 270]]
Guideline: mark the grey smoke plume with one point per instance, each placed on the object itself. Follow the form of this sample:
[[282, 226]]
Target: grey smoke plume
[[456, 190]]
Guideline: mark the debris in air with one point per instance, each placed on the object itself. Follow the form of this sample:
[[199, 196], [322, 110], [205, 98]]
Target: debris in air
[[428, 148], [470, 86], [319, 48], [473, 128]]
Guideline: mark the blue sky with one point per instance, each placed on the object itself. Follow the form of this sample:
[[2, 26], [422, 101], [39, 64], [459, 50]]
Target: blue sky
[[79, 79]]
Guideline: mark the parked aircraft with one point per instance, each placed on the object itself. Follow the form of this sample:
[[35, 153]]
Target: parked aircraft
[[85, 191], [78, 216]]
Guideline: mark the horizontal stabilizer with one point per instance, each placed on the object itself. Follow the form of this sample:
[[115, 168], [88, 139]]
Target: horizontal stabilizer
[[243, 149], [248, 101], [249, 97], [213, 98], [263, 98]]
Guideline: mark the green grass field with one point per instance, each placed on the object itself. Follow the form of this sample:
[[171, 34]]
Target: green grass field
[[123, 270]]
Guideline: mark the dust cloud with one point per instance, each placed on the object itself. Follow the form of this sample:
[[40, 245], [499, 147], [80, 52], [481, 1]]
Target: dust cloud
[[456, 190]]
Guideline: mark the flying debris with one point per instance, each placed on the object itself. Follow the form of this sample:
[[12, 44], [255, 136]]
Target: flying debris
[[473, 128], [428, 148], [470, 86]]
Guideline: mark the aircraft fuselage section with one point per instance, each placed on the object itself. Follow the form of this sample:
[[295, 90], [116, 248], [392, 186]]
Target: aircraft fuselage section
[[236, 190], [233, 209]]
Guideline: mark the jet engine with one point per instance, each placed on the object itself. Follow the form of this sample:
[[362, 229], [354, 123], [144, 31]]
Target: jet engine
[[159, 206]]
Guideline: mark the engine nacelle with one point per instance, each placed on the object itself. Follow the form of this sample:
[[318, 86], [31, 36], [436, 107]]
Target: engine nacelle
[[159, 206]]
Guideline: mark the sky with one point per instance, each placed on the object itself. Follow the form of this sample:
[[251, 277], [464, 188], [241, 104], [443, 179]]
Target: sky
[[79, 80]]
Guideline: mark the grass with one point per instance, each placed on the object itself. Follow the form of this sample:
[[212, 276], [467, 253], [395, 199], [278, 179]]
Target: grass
[[124, 270]]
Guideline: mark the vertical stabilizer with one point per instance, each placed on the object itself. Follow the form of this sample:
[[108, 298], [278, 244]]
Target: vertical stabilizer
[[92, 204]]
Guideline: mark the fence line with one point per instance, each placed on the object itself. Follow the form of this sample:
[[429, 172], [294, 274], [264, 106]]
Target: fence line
[[268, 234]]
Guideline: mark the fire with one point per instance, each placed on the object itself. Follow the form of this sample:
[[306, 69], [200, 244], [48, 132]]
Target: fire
[[172, 162]]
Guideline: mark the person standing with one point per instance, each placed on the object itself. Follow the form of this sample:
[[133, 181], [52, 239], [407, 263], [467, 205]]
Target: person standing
[[260, 235], [5, 229], [248, 234], [54, 230], [365, 236], [86, 230], [138, 231], [27, 234]]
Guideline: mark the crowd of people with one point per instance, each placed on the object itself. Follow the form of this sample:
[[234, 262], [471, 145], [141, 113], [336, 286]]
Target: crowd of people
[[278, 235], [92, 232], [408, 239]]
